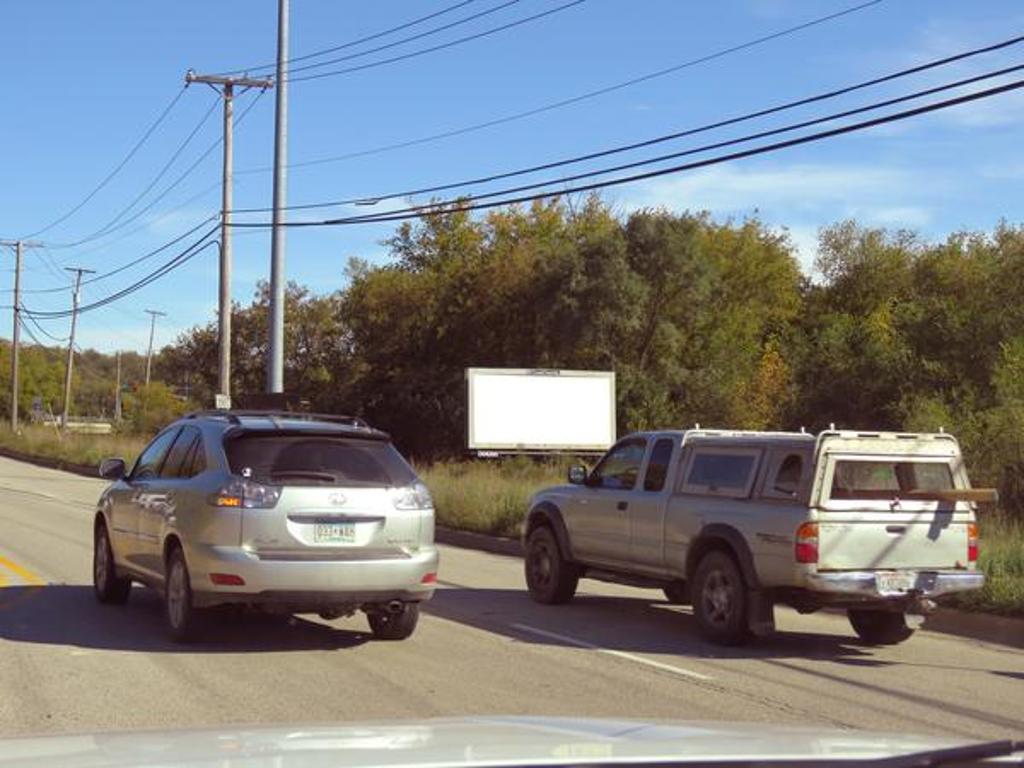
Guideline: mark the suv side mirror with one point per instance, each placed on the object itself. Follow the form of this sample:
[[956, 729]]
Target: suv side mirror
[[113, 469], [577, 474]]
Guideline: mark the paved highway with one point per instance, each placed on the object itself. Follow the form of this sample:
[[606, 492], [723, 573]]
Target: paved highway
[[69, 664]]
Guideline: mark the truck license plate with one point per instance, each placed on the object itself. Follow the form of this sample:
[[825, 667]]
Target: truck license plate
[[334, 533], [891, 583]]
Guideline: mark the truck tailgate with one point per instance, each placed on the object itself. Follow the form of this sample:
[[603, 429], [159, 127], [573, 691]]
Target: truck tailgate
[[871, 540]]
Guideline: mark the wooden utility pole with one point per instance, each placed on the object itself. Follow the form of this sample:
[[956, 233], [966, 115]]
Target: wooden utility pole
[[79, 271], [152, 329], [117, 388], [18, 246], [226, 87]]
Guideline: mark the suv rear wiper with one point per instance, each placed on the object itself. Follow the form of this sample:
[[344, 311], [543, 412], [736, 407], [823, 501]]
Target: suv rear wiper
[[303, 474]]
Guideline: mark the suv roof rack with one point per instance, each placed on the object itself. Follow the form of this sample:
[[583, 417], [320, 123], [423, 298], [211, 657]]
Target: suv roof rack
[[234, 416]]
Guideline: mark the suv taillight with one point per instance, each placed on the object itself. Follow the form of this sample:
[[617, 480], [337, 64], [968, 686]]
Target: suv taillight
[[243, 493], [972, 542], [806, 550]]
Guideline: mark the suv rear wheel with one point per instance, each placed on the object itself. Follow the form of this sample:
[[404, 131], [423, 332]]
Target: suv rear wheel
[[179, 613], [720, 600], [879, 627], [108, 586], [550, 578], [394, 626]]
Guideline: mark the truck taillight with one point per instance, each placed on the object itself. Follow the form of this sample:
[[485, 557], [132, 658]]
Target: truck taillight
[[807, 543], [972, 542]]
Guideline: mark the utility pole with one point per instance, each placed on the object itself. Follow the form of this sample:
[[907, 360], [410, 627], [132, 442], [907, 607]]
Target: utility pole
[[117, 388], [18, 246], [71, 342], [225, 86], [152, 328], [275, 346]]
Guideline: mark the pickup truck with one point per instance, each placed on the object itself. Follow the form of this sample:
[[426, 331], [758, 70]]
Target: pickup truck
[[734, 522]]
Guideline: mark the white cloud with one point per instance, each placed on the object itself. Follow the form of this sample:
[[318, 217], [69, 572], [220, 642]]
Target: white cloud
[[794, 191]]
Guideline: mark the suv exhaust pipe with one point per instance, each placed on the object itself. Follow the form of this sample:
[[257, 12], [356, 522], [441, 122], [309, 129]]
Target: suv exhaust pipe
[[395, 607]]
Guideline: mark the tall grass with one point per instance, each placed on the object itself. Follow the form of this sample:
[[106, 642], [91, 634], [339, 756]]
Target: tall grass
[[1002, 559], [487, 497], [47, 441]]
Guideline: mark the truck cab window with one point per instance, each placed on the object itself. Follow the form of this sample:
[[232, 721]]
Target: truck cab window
[[657, 465], [787, 479], [620, 467]]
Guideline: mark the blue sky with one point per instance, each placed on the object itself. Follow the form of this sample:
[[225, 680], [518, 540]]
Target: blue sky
[[86, 79]]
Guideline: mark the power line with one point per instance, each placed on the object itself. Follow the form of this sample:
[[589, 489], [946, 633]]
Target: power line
[[164, 215], [117, 169], [442, 46], [452, 206], [374, 199], [352, 43], [186, 173], [156, 180], [40, 328], [575, 99], [182, 258], [128, 265], [403, 41], [32, 336]]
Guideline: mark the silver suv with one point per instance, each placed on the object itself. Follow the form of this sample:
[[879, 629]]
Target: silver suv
[[287, 512], [733, 522]]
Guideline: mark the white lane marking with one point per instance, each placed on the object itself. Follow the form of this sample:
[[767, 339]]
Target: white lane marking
[[620, 654]]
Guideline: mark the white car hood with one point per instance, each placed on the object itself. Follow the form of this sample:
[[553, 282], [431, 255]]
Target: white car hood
[[482, 741]]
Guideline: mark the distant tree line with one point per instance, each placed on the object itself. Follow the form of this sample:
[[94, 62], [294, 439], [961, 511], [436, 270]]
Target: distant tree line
[[702, 321]]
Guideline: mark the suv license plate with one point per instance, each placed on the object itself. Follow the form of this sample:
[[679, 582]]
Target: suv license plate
[[892, 583], [334, 533]]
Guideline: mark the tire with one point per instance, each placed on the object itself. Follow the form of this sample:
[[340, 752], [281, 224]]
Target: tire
[[108, 587], [720, 600], [394, 626], [677, 593], [879, 627], [551, 578], [180, 615]]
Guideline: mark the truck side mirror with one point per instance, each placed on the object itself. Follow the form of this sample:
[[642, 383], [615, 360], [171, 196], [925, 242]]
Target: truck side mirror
[[577, 474]]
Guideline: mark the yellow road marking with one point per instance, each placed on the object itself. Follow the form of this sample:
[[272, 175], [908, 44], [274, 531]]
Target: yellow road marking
[[24, 573]]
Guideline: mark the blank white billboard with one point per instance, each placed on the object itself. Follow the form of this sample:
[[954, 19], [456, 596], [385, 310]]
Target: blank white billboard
[[521, 410]]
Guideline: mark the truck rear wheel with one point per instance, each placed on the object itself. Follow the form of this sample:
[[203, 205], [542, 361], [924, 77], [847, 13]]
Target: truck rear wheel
[[550, 578], [720, 600], [879, 627]]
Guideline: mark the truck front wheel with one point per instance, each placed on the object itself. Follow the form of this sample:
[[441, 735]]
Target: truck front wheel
[[550, 578], [879, 627]]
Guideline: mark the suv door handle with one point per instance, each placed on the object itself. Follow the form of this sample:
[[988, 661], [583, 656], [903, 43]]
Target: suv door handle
[[622, 505]]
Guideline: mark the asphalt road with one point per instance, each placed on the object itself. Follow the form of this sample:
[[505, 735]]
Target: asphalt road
[[69, 664]]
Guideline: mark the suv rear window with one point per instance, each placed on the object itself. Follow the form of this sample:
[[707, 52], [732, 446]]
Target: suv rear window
[[318, 460], [886, 479]]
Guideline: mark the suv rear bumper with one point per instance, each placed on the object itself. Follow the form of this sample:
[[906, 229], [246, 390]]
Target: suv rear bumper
[[315, 583], [864, 584]]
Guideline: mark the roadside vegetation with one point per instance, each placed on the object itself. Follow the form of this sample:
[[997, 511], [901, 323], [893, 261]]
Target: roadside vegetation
[[487, 497], [47, 442], [1002, 560]]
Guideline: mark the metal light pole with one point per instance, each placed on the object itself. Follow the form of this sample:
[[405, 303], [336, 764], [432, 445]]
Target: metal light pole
[[275, 346]]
